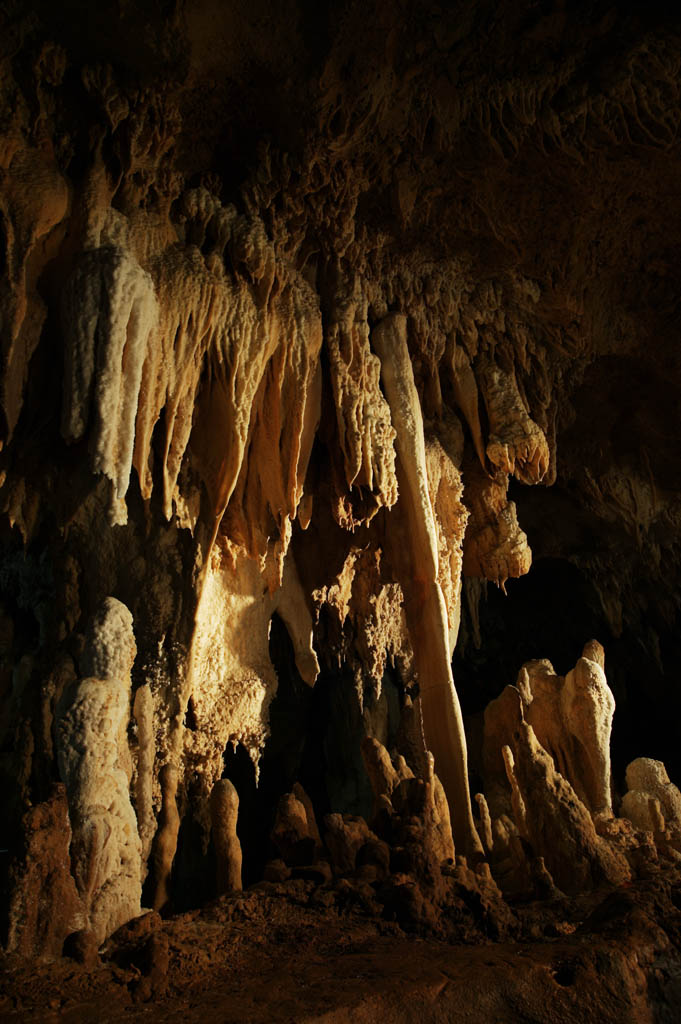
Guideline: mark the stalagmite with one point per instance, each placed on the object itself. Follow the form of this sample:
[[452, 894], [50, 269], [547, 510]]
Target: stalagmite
[[425, 607], [165, 840], [588, 707], [647, 783], [224, 809], [294, 836], [144, 716], [553, 819], [94, 763], [438, 813], [571, 718], [485, 821], [383, 777], [38, 927]]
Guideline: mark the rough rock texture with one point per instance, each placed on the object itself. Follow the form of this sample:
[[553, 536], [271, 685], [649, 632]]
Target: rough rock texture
[[570, 716], [224, 810], [45, 906], [95, 764], [322, 328]]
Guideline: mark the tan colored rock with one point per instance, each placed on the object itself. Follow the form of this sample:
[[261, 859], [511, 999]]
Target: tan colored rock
[[438, 820], [445, 487], [164, 845], [588, 706], [345, 835], [495, 547], [466, 392], [571, 718], [643, 810], [109, 312], [364, 420], [485, 822], [95, 764], [426, 611], [498, 718], [312, 827], [224, 811], [45, 906], [555, 821], [516, 444], [232, 679], [382, 776], [143, 707], [292, 835], [639, 846], [646, 775]]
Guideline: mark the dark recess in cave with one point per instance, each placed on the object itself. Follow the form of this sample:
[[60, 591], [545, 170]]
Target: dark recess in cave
[[315, 737], [551, 613], [281, 762]]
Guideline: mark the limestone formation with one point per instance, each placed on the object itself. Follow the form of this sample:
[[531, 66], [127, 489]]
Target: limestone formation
[[165, 838], [516, 444], [39, 926], [94, 763], [224, 809], [495, 546], [571, 718], [383, 777], [651, 800], [293, 834], [553, 819], [315, 320], [426, 610], [345, 835]]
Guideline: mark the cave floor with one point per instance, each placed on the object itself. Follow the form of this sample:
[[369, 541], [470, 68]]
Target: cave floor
[[272, 955]]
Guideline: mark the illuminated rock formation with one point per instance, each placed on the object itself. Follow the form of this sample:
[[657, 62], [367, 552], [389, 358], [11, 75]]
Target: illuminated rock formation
[[314, 323], [224, 809], [571, 717], [95, 764]]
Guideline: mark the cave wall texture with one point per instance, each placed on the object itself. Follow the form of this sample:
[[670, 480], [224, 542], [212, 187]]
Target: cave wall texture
[[319, 323]]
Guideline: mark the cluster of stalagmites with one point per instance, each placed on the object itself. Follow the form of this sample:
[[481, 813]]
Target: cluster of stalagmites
[[547, 823]]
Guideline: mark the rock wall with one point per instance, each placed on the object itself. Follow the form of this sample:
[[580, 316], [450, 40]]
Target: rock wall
[[295, 309]]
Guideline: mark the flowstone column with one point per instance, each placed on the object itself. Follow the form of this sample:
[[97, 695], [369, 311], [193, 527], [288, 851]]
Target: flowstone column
[[425, 607], [95, 765]]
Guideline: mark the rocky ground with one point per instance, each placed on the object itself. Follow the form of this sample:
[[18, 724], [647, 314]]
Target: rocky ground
[[304, 951]]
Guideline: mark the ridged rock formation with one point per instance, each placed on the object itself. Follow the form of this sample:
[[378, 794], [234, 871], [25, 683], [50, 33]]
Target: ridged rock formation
[[315, 321]]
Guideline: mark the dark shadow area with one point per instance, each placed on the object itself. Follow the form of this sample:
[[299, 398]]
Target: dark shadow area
[[332, 768], [551, 613], [315, 739], [281, 761], [251, 826], [193, 877]]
